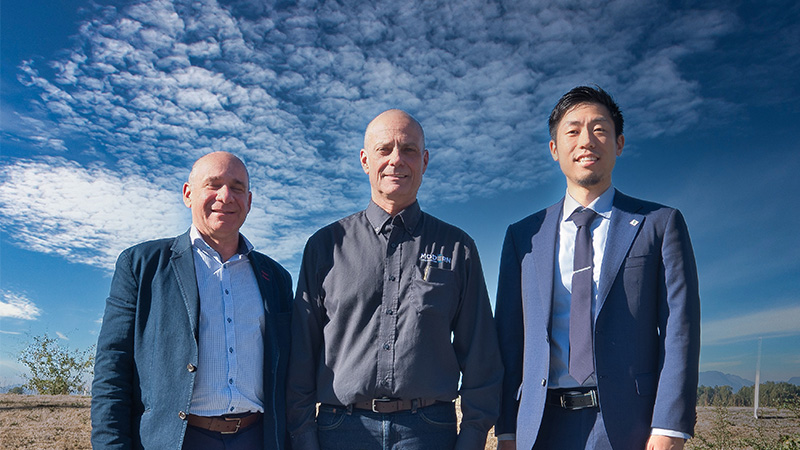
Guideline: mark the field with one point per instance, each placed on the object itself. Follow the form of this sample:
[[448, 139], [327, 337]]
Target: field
[[62, 423]]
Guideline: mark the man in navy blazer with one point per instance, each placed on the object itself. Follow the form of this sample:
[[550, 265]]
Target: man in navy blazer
[[194, 344], [644, 323]]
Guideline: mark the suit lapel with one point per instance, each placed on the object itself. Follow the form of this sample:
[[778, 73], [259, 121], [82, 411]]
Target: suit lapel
[[269, 294], [182, 263], [544, 253], [625, 224]]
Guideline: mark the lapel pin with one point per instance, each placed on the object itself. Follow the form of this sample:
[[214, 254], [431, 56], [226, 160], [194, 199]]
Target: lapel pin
[[634, 222]]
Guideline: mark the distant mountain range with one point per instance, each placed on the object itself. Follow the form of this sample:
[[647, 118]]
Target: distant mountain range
[[713, 378]]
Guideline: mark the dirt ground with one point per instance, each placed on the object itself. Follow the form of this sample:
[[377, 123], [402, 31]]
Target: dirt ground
[[45, 422]]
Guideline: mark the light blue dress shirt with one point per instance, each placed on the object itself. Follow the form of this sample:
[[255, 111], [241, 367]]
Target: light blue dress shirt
[[231, 344]]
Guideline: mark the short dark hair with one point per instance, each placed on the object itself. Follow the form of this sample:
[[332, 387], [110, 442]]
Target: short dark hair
[[581, 95]]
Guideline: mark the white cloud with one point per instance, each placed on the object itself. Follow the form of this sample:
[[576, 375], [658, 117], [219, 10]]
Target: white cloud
[[149, 87], [770, 323], [62, 336], [17, 306], [85, 215]]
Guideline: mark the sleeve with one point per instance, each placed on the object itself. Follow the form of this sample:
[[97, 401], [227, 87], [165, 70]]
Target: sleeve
[[301, 386], [475, 344], [509, 318], [679, 328], [113, 387]]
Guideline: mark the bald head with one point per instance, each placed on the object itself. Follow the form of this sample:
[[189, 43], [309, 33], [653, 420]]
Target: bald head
[[216, 159], [393, 119]]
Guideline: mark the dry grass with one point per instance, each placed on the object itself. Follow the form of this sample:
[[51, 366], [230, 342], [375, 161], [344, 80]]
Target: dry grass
[[44, 422], [62, 423]]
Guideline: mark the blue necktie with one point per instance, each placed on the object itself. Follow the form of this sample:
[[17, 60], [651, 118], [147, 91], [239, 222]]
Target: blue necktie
[[581, 361]]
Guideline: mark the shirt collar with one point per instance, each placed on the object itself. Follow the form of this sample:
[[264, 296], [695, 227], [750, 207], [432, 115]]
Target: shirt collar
[[245, 247], [378, 218], [601, 205]]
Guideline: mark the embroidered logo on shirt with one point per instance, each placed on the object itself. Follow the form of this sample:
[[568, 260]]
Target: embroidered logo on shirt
[[430, 257]]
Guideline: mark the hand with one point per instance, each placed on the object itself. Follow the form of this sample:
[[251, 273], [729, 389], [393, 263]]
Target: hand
[[506, 445], [665, 443]]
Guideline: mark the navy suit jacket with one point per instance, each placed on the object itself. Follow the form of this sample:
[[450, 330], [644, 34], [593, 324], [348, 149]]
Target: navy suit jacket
[[646, 324], [147, 349]]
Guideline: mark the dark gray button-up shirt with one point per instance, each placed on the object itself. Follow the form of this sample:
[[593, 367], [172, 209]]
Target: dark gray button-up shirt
[[393, 307]]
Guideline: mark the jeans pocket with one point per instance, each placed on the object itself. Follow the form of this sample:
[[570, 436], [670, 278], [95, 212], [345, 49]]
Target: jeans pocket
[[330, 418], [439, 415]]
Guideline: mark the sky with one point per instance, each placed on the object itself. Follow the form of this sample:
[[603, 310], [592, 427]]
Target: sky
[[104, 105]]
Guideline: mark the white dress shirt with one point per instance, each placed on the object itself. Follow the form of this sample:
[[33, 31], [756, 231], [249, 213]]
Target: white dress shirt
[[231, 360], [562, 287]]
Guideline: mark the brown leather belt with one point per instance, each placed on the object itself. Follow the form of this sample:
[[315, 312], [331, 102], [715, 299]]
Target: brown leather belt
[[392, 405], [223, 424], [573, 399]]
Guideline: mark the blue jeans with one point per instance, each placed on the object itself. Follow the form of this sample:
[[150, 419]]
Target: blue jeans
[[429, 428]]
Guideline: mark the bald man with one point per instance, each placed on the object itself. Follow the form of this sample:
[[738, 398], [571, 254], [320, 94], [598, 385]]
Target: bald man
[[194, 345], [391, 313]]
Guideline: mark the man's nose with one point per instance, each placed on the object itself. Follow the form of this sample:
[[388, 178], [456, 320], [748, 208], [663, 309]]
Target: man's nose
[[224, 194], [394, 156], [586, 139]]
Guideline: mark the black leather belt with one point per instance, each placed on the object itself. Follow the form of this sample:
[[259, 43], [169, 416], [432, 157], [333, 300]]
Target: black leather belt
[[392, 405], [223, 424], [573, 399]]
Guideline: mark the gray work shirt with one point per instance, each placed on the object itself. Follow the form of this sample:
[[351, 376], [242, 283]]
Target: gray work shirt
[[393, 307]]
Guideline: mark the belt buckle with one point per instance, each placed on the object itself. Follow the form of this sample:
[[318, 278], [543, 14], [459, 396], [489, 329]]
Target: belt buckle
[[375, 402], [231, 419], [577, 394]]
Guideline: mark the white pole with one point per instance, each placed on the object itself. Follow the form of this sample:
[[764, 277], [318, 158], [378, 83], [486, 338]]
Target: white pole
[[758, 381]]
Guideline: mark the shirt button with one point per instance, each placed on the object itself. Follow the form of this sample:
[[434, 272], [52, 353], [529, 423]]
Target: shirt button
[[191, 367], [230, 349], [226, 292], [394, 245], [392, 278], [182, 415], [390, 312], [229, 320], [544, 381], [230, 381], [386, 346], [231, 409]]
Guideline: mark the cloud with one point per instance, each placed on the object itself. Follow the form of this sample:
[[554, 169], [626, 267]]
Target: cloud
[[770, 323], [62, 336], [150, 86], [87, 215], [17, 306]]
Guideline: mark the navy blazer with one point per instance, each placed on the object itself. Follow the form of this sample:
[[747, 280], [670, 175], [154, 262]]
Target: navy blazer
[[147, 348], [646, 324]]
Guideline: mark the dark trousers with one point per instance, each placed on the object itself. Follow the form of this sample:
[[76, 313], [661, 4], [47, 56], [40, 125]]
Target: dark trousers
[[250, 438], [564, 429]]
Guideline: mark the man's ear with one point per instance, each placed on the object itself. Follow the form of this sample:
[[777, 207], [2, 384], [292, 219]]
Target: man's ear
[[364, 161], [187, 193], [553, 150]]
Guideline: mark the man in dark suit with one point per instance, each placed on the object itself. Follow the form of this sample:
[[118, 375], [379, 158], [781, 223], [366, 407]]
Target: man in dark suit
[[598, 311], [194, 345]]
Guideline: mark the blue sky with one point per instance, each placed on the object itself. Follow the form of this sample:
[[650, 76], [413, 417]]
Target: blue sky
[[106, 104]]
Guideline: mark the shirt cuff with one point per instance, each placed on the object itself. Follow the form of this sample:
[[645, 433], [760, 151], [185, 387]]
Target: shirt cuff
[[670, 433], [507, 437]]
